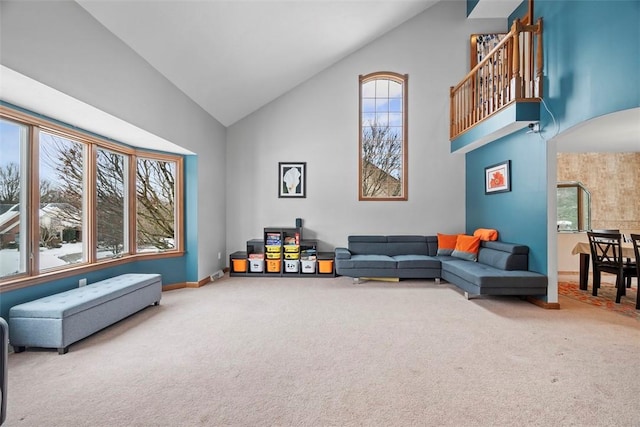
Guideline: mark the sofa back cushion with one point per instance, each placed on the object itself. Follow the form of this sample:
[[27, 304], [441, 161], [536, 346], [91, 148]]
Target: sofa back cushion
[[393, 245], [505, 256]]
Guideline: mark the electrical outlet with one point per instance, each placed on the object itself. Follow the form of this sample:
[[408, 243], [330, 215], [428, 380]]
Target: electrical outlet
[[219, 255], [82, 282]]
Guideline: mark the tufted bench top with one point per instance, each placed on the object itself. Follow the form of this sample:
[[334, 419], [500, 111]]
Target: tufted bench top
[[67, 303]]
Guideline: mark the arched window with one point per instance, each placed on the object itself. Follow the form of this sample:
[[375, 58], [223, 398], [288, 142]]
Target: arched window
[[383, 137]]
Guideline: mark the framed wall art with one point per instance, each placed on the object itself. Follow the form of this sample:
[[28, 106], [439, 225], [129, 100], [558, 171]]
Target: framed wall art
[[497, 178], [292, 179]]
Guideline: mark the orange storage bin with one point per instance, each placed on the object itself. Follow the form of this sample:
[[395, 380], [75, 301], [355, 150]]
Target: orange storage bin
[[239, 265], [325, 266], [273, 265]]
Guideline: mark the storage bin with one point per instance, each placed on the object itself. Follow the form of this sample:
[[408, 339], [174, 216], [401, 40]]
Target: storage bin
[[325, 266], [256, 265], [273, 266], [308, 266], [273, 248], [291, 266], [291, 248], [273, 255], [239, 265], [291, 255]]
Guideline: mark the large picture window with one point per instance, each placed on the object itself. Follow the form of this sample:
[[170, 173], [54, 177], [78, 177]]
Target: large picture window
[[383, 137], [156, 189], [70, 200], [112, 204]]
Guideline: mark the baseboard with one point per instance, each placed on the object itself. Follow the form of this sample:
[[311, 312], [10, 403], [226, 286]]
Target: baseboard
[[199, 283], [544, 304], [173, 286], [183, 285]]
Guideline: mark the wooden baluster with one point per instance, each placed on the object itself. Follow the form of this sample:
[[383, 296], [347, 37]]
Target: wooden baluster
[[539, 62], [516, 79]]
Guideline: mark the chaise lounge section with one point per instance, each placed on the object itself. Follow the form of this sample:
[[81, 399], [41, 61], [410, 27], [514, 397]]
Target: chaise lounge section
[[501, 267]]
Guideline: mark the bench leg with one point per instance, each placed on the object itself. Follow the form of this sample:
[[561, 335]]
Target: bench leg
[[156, 303], [18, 348], [63, 350]]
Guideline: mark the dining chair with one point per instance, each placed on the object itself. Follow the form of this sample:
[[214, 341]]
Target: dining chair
[[606, 252], [614, 230], [635, 239]]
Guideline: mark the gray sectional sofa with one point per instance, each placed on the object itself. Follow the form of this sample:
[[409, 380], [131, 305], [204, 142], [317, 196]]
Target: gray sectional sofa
[[502, 268]]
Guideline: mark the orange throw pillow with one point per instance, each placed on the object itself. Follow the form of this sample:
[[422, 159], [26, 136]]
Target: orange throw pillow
[[486, 234], [467, 247], [446, 243]]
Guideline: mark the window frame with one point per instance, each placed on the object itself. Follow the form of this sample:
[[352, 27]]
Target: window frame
[[403, 80], [33, 276], [583, 197]]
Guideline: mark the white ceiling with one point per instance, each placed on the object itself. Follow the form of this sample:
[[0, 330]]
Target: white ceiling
[[233, 57]]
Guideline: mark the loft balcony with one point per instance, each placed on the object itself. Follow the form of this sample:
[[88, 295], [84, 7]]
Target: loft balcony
[[502, 93]]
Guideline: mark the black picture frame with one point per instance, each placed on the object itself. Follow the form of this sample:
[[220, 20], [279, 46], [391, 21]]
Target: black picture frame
[[497, 178], [292, 180]]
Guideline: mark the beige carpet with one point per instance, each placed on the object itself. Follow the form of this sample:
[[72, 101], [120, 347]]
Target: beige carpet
[[325, 352]]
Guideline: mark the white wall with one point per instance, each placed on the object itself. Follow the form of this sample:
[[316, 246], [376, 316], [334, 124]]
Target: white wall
[[61, 45], [317, 123]]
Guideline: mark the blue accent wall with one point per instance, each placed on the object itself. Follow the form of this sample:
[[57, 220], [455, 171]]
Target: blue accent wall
[[471, 4], [520, 215], [592, 63], [173, 270], [592, 58], [191, 217]]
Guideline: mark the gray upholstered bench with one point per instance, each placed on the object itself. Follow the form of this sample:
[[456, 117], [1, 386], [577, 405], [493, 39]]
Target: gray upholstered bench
[[59, 320]]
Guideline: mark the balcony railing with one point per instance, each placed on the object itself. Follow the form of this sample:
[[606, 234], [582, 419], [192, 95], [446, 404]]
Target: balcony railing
[[511, 72]]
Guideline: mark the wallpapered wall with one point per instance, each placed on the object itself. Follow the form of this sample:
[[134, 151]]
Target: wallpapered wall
[[614, 183]]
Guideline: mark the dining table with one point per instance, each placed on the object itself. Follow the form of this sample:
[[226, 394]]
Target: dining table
[[584, 250]]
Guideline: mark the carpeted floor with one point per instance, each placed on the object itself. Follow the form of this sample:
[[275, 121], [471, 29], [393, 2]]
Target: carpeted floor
[[606, 297], [325, 352]]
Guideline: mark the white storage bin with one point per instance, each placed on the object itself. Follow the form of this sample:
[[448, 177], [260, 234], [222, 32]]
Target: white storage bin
[[256, 265], [291, 266], [308, 266]]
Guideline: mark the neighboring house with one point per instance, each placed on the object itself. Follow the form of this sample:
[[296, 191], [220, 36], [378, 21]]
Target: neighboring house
[[60, 220]]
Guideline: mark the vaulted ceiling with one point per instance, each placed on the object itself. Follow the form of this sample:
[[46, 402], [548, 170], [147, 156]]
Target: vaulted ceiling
[[232, 57]]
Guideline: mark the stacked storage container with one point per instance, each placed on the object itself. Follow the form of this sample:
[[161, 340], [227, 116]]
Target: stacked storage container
[[273, 245]]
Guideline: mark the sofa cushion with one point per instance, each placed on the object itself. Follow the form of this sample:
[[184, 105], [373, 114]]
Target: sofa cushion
[[487, 234], [467, 247], [505, 256], [369, 261], [417, 261], [446, 243], [389, 245]]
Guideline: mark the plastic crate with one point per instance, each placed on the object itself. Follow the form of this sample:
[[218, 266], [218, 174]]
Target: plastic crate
[[291, 248], [239, 265], [291, 255], [273, 266], [273, 255], [273, 248], [325, 266], [291, 266], [256, 265], [308, 266]]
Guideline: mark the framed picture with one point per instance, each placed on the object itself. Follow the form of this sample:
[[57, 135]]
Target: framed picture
[[292, 179], [497, 178]]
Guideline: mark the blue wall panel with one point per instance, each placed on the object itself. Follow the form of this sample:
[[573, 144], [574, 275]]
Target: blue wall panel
[[592, 61], [173, 270], [191, 217], [520, 215]]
